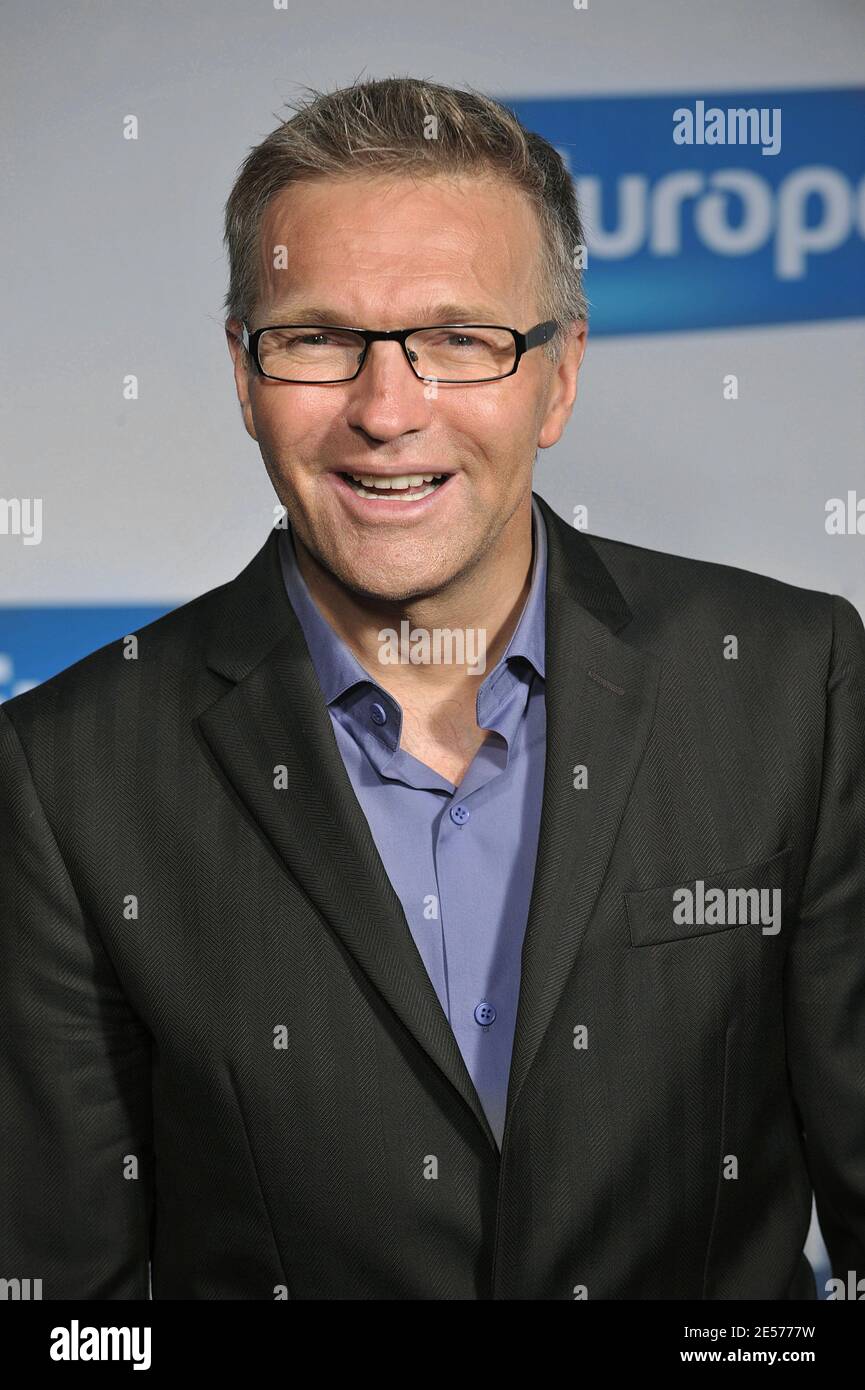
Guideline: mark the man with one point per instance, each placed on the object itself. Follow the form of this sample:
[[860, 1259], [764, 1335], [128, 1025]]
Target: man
[[453, 905]]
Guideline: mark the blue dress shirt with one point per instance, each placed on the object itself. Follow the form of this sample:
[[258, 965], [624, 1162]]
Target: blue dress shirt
[[461, 859]]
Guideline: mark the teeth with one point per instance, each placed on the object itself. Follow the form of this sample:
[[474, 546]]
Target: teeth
[[408, 487], [402, 481]]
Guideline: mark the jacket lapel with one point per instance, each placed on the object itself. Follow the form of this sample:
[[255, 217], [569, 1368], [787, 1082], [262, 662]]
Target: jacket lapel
[[600, 701], [600, 696]]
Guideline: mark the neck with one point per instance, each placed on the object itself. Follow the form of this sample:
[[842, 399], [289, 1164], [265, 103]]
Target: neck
[[482, 607]]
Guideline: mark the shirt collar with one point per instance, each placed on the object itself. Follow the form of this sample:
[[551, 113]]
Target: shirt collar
[[338, 669]]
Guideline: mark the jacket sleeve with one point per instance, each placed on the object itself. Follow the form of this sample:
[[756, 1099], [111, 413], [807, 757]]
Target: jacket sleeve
[[75, 1110], [825, 980]]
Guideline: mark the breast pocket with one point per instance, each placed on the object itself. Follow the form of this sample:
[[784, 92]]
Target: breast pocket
[[750, 897]]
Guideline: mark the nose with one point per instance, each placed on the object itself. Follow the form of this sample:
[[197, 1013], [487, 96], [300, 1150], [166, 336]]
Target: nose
[[387, 398]]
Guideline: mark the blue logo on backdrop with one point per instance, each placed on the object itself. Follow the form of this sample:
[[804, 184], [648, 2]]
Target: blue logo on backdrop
[[720, 217]]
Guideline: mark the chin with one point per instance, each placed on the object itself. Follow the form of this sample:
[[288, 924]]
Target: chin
[[392, 583], [397, 590]]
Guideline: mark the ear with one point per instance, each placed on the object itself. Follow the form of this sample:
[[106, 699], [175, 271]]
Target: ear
[[243, 372], [562, 391]]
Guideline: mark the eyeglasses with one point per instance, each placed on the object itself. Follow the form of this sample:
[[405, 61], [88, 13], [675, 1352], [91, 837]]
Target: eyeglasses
[[456, 353]]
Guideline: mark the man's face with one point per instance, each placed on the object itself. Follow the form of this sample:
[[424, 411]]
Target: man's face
[[384, 253]]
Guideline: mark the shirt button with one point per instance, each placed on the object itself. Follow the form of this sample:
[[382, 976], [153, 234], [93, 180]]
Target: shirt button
[[484, 1013], [378, 714], [460, 814]]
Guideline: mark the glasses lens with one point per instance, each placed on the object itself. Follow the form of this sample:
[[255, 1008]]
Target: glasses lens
[[470, 352], [309, 352]]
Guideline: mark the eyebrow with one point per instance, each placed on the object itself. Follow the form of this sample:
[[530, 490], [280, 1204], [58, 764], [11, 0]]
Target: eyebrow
[[436, 313]]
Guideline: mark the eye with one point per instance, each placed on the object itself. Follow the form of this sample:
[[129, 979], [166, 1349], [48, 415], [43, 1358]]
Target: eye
[[453, 339]]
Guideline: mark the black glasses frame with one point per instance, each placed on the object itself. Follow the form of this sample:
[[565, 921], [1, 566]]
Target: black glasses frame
[[523, 342]]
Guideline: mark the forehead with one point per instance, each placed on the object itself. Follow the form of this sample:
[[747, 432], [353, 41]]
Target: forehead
[[389, 245]]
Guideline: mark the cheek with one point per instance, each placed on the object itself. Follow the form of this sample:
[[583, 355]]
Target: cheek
[[294, 422], [500, 433], [502, 413]]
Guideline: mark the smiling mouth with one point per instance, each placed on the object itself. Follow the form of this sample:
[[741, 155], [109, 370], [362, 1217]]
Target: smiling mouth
[[407, 487]]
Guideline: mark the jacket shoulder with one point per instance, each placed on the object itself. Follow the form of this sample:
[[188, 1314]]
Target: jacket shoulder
[[659, 585]]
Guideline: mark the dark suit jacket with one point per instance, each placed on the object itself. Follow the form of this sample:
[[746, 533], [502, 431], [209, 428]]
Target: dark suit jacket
[[221, 1051]]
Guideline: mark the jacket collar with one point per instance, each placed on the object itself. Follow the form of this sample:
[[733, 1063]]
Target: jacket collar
[[254, 613]]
